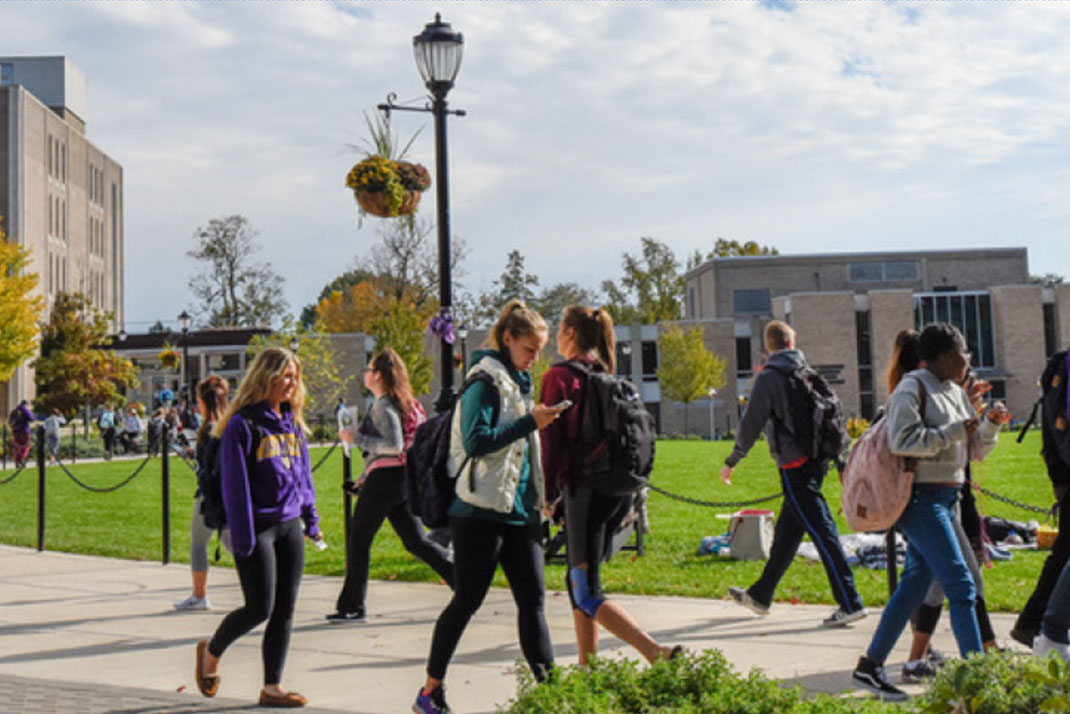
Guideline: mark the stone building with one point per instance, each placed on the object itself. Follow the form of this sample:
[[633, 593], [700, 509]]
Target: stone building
[[61, 196], [847, 308]]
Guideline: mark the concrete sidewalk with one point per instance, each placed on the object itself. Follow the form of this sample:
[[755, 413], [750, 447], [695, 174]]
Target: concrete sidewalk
[[84, 634]]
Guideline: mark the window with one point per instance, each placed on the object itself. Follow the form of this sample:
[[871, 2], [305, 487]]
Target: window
[[865, 364], [225, 361], [744, 365], [971, 312], [756, 302], [691, 303], [650, 360], [624, 359], [7, 74], [1051, 345], [883, 271]]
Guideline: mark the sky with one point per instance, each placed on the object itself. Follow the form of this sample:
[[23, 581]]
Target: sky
[[812, 126]]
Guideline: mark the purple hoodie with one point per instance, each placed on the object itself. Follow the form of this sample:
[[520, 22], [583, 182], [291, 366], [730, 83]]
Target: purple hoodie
[[275, 486]]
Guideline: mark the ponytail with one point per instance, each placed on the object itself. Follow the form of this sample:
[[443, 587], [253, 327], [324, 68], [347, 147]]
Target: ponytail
[[593, 329], [518, 320]]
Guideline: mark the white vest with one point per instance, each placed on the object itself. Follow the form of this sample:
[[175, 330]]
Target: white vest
[[496, 475]]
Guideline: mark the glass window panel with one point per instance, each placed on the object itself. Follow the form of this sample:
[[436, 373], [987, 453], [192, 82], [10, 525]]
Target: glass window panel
[[744, 365], [970, 322], [901, 270], [624, 359], [752, 301], [986, 353], [872, 272], [650, 360], [956, 311]]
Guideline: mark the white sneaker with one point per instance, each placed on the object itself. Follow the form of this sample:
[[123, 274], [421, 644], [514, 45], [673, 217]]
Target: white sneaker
[[194, 603], [842, 618], [1042, 646]]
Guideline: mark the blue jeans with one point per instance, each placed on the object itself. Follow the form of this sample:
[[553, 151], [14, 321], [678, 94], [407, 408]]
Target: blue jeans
[[1057, 614], [932, 551], [805, 512]]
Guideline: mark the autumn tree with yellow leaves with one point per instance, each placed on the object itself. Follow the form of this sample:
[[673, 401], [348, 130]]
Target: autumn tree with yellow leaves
[[19, 310]]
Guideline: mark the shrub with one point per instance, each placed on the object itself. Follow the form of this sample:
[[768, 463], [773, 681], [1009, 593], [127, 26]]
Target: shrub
[[998, 683]]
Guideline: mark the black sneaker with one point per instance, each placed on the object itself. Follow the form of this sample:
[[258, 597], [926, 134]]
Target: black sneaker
[[341, 617], [1024, 635], [433, 702], [870, 676], [919, 670], [936, 658]]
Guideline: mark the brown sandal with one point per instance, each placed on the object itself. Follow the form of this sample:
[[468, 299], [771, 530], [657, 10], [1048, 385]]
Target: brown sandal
[[289, 700], [207, 683]]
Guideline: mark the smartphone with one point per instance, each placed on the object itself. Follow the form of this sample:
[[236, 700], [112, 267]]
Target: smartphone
[[562, 405]]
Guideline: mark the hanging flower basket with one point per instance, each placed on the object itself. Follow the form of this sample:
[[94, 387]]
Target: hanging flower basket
[[377, 203], [169, 358], [387, 188]]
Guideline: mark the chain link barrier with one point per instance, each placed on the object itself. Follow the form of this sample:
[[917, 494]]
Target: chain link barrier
[[326, 456], [1046, 512], [714, 504], [107, 489], [12, 477]]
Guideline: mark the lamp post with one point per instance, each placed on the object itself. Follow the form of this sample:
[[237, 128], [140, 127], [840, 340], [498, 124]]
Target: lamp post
[[184, 322], [438, 51], [711, 393], [462, 334]]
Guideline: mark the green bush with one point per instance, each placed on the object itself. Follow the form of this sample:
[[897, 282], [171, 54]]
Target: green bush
[[1000, 683], [695, 683]]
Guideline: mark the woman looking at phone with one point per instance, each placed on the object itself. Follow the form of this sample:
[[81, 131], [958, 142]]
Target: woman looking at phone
[[585, 338]]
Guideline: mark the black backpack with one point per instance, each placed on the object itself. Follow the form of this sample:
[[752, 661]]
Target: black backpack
[[209, 478], [817, 423], [427, 478], [618, 433], [1054, 416]]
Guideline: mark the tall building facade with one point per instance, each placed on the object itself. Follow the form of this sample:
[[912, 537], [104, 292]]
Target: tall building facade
[[61, 197]]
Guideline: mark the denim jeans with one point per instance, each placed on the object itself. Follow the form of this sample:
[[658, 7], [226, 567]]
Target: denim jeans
[[933, 551], [805, 512]]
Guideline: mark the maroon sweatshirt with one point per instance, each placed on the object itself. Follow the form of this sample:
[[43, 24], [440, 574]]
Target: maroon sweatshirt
[[559, 438]]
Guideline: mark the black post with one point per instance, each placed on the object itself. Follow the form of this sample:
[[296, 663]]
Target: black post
[[165, 472], [445, 281], [40, 488], [347, 506], [4, 457], [74, 443], [893, 570]]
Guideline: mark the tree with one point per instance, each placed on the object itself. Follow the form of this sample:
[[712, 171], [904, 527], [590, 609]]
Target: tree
[[234, 291], [687, 370], [552, 301], [402, 328], [1047, 279], [723, 248], [513, 284], [652, 288], [19, 310], [341, 284], [75, 366], [158, 328], [325, 377]]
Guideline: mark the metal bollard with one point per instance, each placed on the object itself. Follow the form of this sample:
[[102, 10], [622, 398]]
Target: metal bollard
[[4, 457], [165, 478], [74, 443], [40, 488]]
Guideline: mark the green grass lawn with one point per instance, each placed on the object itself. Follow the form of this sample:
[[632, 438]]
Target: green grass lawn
[[127, 523]]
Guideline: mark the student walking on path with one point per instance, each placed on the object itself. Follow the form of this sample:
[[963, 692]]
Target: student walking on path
[[585, 336], [804, 510], [496, 516], [21, 421], [53, 423], [923, 661], [212, 400], [106, 424], [384, 435], [942, 433], [267, 494]]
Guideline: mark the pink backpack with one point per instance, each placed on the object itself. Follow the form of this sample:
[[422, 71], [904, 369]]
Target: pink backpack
[[876, 482], [412, 422]]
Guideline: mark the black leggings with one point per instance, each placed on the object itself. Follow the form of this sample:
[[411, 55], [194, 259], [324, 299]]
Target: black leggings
[[382, 496], [591, 519], [269, 578], [478, 547]]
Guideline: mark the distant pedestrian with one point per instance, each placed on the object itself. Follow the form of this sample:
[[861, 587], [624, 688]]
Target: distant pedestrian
[[53, 422], [496, 516], [383, 436], [131, 430], [154, 431], [804, 510], [21, 422], [591, 518], [212, 400], [943, 433], [267, 493], [106, 424]]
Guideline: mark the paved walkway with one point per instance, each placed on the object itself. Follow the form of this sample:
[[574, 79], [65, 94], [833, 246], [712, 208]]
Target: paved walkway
[[81, 634]]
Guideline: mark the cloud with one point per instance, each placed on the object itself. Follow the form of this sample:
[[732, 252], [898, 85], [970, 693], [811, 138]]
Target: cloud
[[810, 126]]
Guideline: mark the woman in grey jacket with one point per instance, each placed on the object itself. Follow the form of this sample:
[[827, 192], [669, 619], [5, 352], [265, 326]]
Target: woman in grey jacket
[[943, 434], [381, 488]]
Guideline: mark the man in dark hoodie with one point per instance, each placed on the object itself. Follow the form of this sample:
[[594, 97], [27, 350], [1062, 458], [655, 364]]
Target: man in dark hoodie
[[804, 510]]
